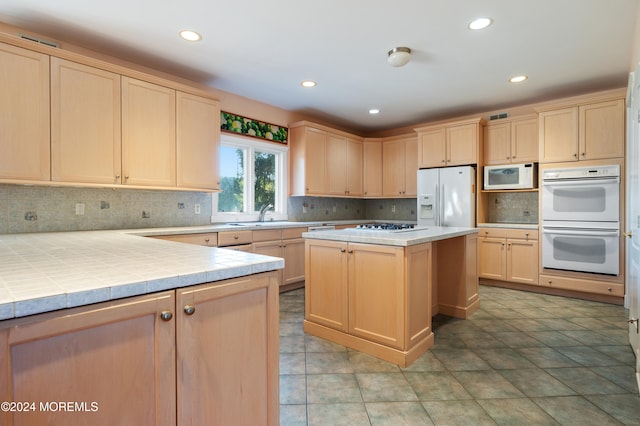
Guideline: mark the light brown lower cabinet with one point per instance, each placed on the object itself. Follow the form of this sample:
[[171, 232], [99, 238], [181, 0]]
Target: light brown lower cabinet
[[288, 244], [508, 255], [372, 298], [206, 354]]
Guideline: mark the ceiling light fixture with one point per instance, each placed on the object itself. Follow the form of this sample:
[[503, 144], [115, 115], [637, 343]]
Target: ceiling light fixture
[[518, 79], [399, 56], [308, 83], [373, 111], [480, 23], [190, 35]]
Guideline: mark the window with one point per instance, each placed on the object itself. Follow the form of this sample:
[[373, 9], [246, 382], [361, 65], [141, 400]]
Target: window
[[252, 175]]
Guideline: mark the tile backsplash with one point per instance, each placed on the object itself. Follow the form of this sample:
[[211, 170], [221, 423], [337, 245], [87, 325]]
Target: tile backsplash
[[513, 207], [26, 208], [50, 209]]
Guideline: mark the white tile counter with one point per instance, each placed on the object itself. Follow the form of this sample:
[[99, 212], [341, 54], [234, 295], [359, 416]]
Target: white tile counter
[[49, 271], [391, 238]]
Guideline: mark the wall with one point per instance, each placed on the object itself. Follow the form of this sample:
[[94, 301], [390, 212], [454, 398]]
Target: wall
[[513, 207], [47, 209], [325, 208]]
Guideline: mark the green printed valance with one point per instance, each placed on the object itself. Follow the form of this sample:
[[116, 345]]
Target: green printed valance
[[232, 123]]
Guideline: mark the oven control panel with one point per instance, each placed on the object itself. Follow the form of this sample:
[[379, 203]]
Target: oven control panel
[[612, 171]]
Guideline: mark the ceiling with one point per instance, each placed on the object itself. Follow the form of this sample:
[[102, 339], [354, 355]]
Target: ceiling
[[262, 50]]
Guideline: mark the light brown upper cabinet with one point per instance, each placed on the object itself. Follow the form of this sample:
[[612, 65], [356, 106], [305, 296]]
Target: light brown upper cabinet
[[197, 141], [399, 166], [24, 114], [513, 141], [148, 134], [85, 124], [449, 144], [324, 161], [372, 167], [589, 131]]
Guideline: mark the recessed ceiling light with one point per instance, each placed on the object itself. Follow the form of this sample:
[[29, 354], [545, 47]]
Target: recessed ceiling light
[[374, 111], [308, 83], [480, 23], [190, 35], [518, 79]]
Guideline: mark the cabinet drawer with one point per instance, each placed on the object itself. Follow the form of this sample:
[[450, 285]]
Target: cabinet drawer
[[599, 287], [234, 238], [291, 233], [493, 233], [267, 235], [522, 234], [206, 239]]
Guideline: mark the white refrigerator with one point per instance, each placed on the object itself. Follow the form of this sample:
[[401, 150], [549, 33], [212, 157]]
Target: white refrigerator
[[447, 197]]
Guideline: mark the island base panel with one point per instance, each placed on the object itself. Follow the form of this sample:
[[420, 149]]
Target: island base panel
[[395, 356]]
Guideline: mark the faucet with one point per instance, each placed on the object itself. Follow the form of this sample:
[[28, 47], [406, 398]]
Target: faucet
[[263, 211]]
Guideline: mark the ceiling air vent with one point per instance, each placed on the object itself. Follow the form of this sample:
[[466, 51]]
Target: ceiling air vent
[[39, 40], [499, 116]]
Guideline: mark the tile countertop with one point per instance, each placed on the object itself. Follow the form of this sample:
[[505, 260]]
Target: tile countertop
[[50, 271], [509, 225], [391, 238]]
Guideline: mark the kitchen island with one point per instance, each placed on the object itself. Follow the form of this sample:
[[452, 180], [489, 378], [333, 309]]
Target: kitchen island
[[376, 291], [106, 327]]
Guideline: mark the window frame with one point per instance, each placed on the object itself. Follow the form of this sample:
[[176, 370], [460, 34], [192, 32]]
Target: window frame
[[279, 212]]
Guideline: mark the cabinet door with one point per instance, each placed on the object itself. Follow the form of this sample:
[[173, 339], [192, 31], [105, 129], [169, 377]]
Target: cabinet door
[[227, 352], [558, 132], [24, 114], [372, 168], [336, 165], [326, 275], [117, 355], [293, 254], [354, 167], [491, 258], [432, 148], [497, 143], [376, 293], [392, 168], [410, 167], [148, 134], [85, 124], [602, 130], [271, 248], [315, 162], [524, 141], [197, 141], [462, 144], [522, 261]]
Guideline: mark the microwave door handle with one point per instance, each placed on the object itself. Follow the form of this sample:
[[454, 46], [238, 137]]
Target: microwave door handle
[[569, 182], [582, 232]]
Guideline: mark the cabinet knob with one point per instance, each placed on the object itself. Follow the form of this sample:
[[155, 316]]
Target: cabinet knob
[[189, 309], [235, 237], [575, 154], [350, 251], [550, 282], [583, 154], [609, 289], [117, 177], [443, 161], [206, 240], [342, 250], [126, 178], [628, 234], [166, 315]]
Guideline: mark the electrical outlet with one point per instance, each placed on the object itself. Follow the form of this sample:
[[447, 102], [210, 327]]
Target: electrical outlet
[[393, 208], [304, 208], [79, 208], [197, 209], [335, 208]]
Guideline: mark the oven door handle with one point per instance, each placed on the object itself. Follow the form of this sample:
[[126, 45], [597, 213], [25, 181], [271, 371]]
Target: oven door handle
[[582, 232], [581, 182]]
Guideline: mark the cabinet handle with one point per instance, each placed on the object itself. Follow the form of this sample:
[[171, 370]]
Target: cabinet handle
[[583, 154], [126, 178], [117, 177], [609, 289], [628, 234], [443, 161], [575, 154], [235, 237], [342, 250], [206, 240], [189, 309], [550, 282], [166, 315], [350, 251]]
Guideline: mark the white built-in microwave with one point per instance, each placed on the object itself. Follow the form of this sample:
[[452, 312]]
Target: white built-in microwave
[[512, 176]]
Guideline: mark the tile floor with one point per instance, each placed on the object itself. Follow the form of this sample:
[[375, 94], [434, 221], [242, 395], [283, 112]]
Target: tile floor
[[522, 359]]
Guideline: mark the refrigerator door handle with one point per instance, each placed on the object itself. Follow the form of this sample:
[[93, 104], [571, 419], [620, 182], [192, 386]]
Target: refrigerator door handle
[[441, 214], [437, 206]]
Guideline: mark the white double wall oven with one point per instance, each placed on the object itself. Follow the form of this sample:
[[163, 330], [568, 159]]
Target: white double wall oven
[[581, 219]]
